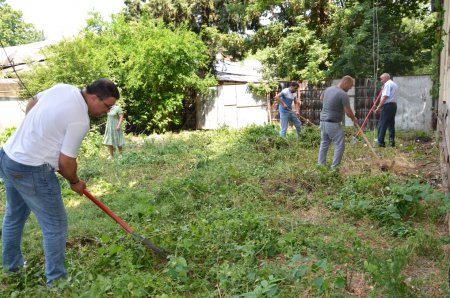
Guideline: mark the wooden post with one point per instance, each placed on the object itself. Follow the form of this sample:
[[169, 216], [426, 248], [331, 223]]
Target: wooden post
[[269, 107], [445, 161]]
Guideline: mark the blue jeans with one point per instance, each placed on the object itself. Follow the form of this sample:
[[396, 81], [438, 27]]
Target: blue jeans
[[330, 131], [285, 117], [33, 189], [387, 122]]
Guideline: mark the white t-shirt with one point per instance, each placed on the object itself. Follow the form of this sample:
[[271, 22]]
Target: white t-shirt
[[287, 97], [56, 124], [389, 89]]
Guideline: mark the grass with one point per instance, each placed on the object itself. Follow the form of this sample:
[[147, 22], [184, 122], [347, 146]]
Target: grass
[[249, 214]]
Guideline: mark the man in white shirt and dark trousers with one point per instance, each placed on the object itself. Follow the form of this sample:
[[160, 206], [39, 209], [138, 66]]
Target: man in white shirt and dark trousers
[[48, 140], [388, 107]]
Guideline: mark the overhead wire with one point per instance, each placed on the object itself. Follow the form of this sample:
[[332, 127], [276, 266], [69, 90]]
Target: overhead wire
[[375, 46]]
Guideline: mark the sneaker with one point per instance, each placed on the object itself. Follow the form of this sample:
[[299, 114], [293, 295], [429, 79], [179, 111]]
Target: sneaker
[[110, 157], [59, 284], [120, 156]]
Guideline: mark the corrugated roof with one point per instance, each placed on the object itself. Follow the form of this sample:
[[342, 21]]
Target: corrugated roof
[[247, 71], [22, 54]]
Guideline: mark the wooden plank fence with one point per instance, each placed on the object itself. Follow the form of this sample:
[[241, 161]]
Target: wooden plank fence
[[365, 94]]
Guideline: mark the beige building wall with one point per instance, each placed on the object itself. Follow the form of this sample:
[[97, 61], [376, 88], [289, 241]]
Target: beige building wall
[[12, 109], [231, 105]]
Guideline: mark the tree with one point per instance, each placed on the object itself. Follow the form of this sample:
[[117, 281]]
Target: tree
[[346, 27], [226, 15], [299, 55], [14, 30], [401, 47], [155, 67]]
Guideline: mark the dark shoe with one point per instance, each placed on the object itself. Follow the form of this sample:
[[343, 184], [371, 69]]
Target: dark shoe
[[381, 145], [392, 144]]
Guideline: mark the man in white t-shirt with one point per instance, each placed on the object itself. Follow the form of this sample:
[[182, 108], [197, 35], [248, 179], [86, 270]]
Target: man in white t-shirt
[[48, 140]]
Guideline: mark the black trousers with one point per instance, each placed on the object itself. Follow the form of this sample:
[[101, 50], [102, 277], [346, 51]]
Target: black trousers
[[387, 122]]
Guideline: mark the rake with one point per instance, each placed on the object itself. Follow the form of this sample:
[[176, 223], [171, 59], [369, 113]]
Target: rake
[[126, 227], [360, 130]]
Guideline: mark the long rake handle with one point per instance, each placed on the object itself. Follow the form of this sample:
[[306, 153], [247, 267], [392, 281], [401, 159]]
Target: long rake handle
[[368, 143], [370, 112], [105, 209], [126, 227], [300, 116]]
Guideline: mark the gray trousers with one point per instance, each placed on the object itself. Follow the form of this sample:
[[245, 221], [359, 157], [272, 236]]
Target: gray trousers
[[331, 132]]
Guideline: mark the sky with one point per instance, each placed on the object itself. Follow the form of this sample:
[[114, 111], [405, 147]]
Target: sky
[[63, 18]]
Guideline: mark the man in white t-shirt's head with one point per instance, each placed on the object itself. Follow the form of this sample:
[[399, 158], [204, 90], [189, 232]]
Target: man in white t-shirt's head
[[100, 97], [48, 140]]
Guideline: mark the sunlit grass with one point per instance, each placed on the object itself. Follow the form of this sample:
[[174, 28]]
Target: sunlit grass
[[242, 210]]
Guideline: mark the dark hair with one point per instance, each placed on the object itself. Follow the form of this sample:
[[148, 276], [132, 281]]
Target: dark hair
[[294, 84], [103, 88]]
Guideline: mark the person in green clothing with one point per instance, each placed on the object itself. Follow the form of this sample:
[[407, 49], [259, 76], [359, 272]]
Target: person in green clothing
[[113, 133]]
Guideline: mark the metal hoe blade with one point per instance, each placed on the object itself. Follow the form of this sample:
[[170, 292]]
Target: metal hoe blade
[[126, 227]]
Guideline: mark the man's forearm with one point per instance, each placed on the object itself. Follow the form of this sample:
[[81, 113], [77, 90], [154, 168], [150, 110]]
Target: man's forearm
[[382, 101], [350, 114], [70, 176], [283, 103], [68, 169], [31, 103]]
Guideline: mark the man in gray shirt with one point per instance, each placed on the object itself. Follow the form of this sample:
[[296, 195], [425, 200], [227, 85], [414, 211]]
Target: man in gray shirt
[[335, 102]]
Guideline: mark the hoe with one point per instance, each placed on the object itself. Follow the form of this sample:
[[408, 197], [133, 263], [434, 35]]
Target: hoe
[[126, 227]]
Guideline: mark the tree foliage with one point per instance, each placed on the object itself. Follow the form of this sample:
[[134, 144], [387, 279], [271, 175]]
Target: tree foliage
[[299, 55], [226, 15], [156, 68], [13, 29], [356, 37], [161, 51], [401, 47]]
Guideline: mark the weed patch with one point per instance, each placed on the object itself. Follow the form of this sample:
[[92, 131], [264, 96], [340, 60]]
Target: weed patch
[[245, 213]]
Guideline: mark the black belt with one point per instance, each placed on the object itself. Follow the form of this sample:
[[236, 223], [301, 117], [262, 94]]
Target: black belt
[[330, 121]]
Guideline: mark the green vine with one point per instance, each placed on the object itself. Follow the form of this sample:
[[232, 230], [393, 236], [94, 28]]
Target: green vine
[[262, 89], [437, 49]]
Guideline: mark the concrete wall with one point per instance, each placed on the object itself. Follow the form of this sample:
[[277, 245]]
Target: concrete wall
[[235, 106], [231, 105], [414, 103], [12, 109]]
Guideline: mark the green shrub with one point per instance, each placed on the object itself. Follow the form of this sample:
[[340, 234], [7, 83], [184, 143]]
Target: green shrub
[[156, 68], [4, 136]]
